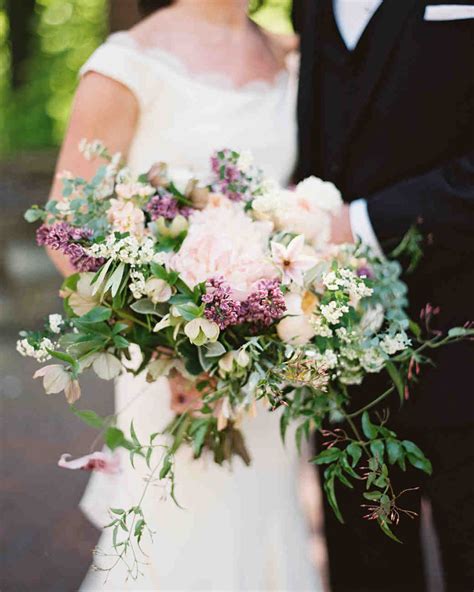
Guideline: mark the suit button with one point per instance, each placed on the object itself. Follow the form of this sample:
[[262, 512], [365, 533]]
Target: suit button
[[335, 169]]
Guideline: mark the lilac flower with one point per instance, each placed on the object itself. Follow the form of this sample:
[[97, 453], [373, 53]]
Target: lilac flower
[[232, 181], [63, 237], [265, 305], [165, 205], [220, 306]]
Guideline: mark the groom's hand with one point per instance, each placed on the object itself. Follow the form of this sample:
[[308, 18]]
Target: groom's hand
[[341, 231]]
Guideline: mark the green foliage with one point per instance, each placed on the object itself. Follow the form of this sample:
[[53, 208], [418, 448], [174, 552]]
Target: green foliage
[[65, 33]]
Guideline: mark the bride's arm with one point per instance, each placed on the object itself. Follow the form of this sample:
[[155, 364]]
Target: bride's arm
[[105, 110]]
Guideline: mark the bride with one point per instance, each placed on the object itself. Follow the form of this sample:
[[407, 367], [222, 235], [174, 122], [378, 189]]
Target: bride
[[192, 77]]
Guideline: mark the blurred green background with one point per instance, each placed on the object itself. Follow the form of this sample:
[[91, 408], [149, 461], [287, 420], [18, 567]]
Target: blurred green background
[[43, 43]]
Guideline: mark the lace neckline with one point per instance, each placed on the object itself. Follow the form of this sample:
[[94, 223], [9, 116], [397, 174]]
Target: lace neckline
[[211, 79]]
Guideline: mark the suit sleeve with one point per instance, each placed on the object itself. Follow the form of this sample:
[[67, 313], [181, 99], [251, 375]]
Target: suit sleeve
[[441, 201]]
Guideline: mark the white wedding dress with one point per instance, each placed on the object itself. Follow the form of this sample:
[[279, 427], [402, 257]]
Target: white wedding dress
[[242, 528]]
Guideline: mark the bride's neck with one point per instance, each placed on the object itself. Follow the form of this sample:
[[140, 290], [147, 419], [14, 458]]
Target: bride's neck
[[229, 14]]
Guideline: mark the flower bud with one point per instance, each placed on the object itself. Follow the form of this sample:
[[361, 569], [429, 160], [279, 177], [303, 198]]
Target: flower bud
[[157, 175]]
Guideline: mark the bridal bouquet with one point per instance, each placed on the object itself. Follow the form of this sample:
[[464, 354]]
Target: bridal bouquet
[[228, 281]]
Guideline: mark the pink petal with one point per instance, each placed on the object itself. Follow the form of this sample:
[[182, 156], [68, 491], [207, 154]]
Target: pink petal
[[97, 461], [295, 247], [279, 252]]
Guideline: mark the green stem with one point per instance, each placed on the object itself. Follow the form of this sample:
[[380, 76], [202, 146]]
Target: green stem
[[372, 403], [129, 317]]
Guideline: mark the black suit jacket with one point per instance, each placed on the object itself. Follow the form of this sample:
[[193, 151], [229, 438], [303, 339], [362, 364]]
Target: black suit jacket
[[407, 147]]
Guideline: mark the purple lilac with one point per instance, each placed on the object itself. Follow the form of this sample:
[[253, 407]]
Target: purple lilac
[[365, 272], [265, 305], [165, 205], [220, 306], [230, 180], [63, 237]]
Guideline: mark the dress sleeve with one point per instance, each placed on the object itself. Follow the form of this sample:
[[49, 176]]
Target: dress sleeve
[[124, 65]]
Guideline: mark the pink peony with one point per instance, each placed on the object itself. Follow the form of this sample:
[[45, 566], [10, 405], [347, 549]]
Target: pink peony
[[224, 242]]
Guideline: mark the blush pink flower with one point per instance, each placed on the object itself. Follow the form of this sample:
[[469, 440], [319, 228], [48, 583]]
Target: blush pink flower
[[223, 242], [291, 260], [97, 461], [126, 217]]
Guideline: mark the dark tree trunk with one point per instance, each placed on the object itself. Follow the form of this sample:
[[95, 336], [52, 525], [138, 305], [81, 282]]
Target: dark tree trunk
[[123, 14], [20, 13]]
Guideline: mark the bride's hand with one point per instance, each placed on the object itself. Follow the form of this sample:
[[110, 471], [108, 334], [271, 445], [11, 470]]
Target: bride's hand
[[341, 231]]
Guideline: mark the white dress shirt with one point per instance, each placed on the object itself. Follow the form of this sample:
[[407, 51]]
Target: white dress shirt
[[352, 17]]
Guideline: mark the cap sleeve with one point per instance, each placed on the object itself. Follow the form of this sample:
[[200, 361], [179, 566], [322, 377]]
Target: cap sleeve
[[122, 64]]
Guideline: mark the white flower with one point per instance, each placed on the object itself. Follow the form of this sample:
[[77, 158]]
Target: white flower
[[329, 359], [200, 331], [245, 161], [372, 360], [323, 194], [332, 312], [55, 322], [331, 281], [158, 290], [106, 366], [56, 379], [320, 327], [163, 324], [92, 149], [296, 327], [391, 344], [128, 190], [40, 353], [372, 319], [226, 363], [242, 358], [291, 261]]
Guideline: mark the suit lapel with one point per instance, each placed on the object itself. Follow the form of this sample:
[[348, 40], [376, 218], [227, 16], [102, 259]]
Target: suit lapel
[[378, 41]]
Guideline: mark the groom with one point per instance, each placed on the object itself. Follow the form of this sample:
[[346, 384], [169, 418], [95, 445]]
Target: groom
[[386, 112]]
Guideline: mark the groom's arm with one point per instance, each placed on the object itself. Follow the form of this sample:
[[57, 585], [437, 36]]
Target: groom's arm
[[442, 200]]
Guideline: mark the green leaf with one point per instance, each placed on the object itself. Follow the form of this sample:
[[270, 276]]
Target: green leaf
[[166, 468], [370, 431], [386, 529], [423, 464], [117, 511], [214, 350], [146, 306], [327, 456], [377, 448], [355, 452], [329, 488], [199, 438], [396, 378], [139, 528], [62, 356], [89, 417], [34, 214], [458, 332], [120, 342], [115, 438], [133, 435], [412, 448], [98, 314], [190, 311], [394, 450], [70, 283], [372, 496]]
